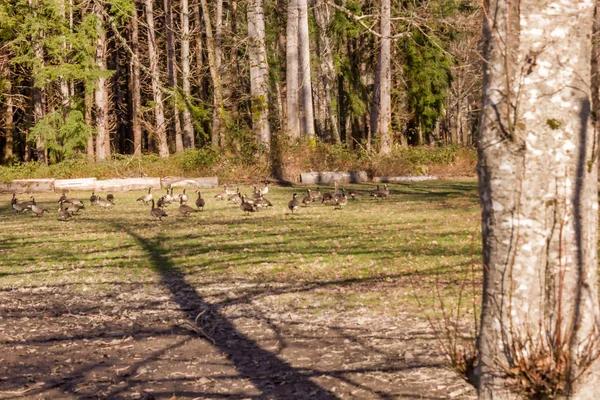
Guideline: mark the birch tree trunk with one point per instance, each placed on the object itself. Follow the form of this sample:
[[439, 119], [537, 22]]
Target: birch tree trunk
[[292, 70], [101, 92], [218, 136], [259, 73], [159, 114], [384, 109], [172, 71], [328, 113], [188, 126], [538, 179], [308, 120], [136, 96]]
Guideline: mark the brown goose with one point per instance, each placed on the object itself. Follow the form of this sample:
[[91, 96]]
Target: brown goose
[[341, 201], [37, 210], [375, 192], [63, 197], [75, 208], [261, 202], [157, 212], [104, 203], [63, 214], [245, 206], [93, 198], [184, 209], [222, 195], [199, 201], [293, 204], [20, 207], [381, 193], [316, 194], [28, 204], [110, 197], [306, 200], [237, 197], [14, 199], [74, 201], [147, 197], [353, 193]]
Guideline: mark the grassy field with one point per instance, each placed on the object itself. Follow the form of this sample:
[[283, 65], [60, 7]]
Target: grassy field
[[374, 257]]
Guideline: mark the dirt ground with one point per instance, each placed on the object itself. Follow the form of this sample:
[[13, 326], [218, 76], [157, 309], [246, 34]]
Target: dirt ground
[[170, 340]]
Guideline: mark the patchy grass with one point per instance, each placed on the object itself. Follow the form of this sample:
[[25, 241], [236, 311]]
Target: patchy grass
[[425, 234]]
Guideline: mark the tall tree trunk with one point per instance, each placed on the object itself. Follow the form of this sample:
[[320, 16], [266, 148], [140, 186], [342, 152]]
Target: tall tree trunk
[[259, 74], [188, 126], [384, 112], [218, 134], [538, 180], [219, 35], [135, 85], [37, 96], [89, 120], [328, 114], [8, 117], [308, 120], [159, 114], [234, 60], [292, 71], [172, 71], [101, 92]]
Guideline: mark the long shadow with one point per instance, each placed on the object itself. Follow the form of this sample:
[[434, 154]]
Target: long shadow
[[250, 360]]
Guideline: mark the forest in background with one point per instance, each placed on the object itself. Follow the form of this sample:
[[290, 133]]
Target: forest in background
[[117, 77]]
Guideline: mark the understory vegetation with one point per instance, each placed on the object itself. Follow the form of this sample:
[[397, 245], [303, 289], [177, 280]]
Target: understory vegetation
[[449, 161]]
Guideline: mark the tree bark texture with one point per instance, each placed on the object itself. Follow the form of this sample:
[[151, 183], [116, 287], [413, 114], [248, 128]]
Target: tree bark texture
[[308, 120], [259, 72], [8, 118], [188, 126], [159, 113], [538, 186], [172, 71], [292, 71], [136, 96], [218, 135], [324, 88], [384, 109], [101, 93]]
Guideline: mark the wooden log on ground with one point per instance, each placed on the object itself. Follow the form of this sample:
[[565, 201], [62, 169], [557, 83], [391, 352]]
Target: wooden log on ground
[[127, 184], [202, 183], [328, 178], [75, 184], [28, 185], [389, 179]]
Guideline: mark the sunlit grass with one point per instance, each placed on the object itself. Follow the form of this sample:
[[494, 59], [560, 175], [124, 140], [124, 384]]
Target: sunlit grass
[[373, 253]]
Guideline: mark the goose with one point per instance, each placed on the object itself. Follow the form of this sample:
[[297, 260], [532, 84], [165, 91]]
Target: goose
[[235, 197], [104, 203], [222, 195], [110, 198], [74, 201], [75, 208], [315, 194], [14, 199], [28, 204], [385, 192], [381, 193], [230, 192], [257, 193], [337, 196], [93, 198], [167, 198], [341, 201], [308, 198], [246, 206], [63, 197], [353, 193], [63, 214], [261, 202], [327, 198], [184, 209], [375, 192], [199, 201], [161, 202], [265, 190], [157, 212], [37, 210], [19, 207], [147, 197], [293, 204]]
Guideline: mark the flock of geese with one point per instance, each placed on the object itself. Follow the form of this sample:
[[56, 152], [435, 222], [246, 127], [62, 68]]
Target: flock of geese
[[68, 207]]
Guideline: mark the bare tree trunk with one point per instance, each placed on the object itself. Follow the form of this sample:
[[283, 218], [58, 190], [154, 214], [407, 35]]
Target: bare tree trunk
[[159, 114], [101, 92], [37, 97], [538, 179], [308, 120], [218, 135], [328, 114], [64, 85], [384, 113], [172, 71], [89, 120], [188, 126], [218, 34], [136, 96], [259, 73], [292, 71], [8, 117]]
